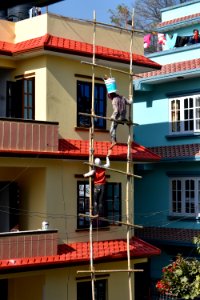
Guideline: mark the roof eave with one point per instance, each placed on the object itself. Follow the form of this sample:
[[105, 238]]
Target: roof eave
[[177, 25], [143, 84]]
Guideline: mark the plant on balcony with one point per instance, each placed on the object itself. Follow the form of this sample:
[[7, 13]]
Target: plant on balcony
[[180, 279]]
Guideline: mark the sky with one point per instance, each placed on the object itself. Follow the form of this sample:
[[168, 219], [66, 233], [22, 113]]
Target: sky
[[83, 9]]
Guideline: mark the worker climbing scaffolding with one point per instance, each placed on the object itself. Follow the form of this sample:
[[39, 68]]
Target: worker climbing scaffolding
[[99, 180], [119, 104]]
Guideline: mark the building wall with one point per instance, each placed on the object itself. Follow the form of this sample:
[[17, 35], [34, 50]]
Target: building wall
[[15, 32], [180, 10], [48, 191], [26, 287], [61, 283], [62, 76], [151, 112], [153, 197], [61, 201]]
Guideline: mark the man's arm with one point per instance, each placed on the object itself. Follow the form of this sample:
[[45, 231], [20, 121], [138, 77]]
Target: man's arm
[[90, 173], [107, 165], [129, 101]]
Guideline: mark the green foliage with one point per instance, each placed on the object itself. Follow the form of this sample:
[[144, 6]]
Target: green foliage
[[146, 13], [121, 15], [181, 279], [196, 241]]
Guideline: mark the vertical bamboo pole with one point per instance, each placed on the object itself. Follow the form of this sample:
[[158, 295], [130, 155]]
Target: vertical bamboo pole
[[91, 159], [129, 162]]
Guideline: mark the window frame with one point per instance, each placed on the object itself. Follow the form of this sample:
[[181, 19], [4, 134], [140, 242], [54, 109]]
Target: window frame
[[184, 114], [20, 99], [184, 194], [115, 214], [84, 89]]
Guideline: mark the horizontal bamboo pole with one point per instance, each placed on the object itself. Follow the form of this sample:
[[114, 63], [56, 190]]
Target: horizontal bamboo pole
[[107, 118], [108, 220], [114, 170], [110, 271]]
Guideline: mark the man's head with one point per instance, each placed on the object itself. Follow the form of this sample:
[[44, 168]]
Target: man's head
[[97, 161], [196, 31], [112, 95]]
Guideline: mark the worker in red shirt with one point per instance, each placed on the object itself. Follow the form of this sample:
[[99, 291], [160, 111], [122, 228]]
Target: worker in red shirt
[[99, 179]]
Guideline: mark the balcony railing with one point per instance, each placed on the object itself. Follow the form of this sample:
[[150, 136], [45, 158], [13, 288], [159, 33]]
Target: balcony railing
[[21, 244], [29, 135]]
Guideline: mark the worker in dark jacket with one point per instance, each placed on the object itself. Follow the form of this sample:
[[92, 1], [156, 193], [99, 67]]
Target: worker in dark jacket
[[119, 104]]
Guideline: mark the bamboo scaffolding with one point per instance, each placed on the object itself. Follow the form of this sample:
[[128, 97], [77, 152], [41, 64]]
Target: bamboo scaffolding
[[127, 122], [91, 159], [115, 170], [111, 271], [128, 172], [109, 68], [105, 219]]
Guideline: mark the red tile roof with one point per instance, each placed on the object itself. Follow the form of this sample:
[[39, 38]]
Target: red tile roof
[[79, 253], [64, 45], [192, 64], [162, 234], [81, 148], [178, 20], [177, 151]]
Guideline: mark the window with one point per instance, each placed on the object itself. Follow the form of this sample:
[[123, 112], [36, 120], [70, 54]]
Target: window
[[20, 102], [4, 289], [9, 205], [84, 97], [113, 203], [84, 290], [185, 114], [185, 196]]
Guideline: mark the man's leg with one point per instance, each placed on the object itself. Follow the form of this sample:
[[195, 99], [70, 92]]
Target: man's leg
[[113, 133], [102, 223], [95, 204]]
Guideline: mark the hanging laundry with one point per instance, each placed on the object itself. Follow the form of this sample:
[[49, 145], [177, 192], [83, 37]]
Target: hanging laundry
[[161, 41], [170, 41], [147, 40], [181, 41]]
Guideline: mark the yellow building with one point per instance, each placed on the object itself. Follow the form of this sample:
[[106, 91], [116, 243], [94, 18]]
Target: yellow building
[[43, 144]]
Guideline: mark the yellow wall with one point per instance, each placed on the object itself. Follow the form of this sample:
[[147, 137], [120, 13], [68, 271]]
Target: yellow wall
[[36, 65], [27, 287], [62, 95], [62, 201], [31, 181], [62, 283], [49, 192], [79, 30]]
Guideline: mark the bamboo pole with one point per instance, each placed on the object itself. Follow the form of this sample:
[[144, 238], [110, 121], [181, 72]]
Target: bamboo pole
[[105, 219], [91, 159], [115, 170], [113, 69], [111, 271], [128, 183], [109, 119]]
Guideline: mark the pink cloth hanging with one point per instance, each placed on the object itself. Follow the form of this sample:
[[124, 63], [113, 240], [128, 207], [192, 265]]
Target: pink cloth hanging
[[161, 39], [147, 40]]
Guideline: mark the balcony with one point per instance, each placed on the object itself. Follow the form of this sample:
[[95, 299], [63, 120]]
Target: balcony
[[28, 135], [21, 244]]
